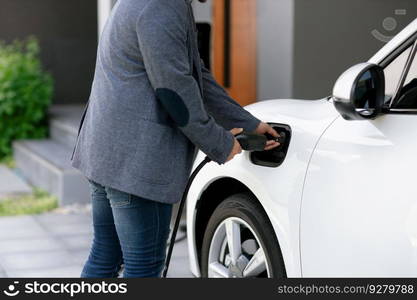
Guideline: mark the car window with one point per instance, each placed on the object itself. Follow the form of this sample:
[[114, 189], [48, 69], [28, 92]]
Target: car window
[[412, 75], [393, 73], [408, 94]]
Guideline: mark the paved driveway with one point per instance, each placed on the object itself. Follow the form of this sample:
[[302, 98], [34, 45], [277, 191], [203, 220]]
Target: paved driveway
[[57, 245]]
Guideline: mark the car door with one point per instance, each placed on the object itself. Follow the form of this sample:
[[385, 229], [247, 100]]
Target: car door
[[359, 206]]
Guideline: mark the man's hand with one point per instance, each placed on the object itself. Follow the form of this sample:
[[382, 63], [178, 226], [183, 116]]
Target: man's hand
[[264, 128], [237, 149]]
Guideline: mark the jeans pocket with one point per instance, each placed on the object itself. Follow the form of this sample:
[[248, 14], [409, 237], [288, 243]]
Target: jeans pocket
[[118, 198]]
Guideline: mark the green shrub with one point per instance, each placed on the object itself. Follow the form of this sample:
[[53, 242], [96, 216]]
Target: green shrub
[[36, 203], [25, 94]]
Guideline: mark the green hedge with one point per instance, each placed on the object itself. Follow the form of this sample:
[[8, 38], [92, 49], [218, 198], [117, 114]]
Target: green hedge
[[36, 203], [25, 94]]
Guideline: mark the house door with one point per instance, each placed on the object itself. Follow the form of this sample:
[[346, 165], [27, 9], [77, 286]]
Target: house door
[[234, 57]]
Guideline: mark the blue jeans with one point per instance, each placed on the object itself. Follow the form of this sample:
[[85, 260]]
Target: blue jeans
[[128, 230]]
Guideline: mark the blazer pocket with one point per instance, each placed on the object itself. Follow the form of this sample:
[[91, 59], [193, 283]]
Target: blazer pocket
[[156, 154]]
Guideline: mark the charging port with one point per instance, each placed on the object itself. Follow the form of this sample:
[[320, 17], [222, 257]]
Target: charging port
[[275, 157]]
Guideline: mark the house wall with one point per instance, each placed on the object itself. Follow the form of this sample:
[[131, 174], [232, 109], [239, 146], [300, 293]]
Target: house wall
[[274, 45], [203, 12], [67, 30], [332, 35], [275, 48], [104, 8], [302, 47]]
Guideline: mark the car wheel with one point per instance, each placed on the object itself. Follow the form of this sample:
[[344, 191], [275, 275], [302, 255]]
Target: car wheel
[[239, 242]]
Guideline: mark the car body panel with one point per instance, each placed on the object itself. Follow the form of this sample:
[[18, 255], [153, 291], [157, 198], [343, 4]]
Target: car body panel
[[365, 227], [317, 235], [279, 188]]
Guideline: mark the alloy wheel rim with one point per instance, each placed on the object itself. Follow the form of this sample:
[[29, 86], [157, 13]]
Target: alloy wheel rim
[[236, 252]]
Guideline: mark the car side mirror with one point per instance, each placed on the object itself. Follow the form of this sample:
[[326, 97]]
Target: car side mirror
[[359, 92]]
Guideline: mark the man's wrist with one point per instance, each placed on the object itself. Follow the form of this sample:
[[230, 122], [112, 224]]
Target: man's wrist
[[222, 154], [253, 124]]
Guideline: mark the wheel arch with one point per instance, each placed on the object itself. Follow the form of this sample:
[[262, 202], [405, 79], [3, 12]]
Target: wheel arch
[[214, 194]]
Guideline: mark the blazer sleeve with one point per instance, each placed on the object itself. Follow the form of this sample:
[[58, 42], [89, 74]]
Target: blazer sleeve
[[223, 108], [162, 34]]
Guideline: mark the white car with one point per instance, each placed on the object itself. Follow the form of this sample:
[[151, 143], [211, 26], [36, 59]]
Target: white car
[[337, 199]]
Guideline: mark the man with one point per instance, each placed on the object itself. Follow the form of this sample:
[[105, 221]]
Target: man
[[152, 105]]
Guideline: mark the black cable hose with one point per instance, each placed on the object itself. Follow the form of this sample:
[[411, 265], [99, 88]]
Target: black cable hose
[[180, 209], [182, 229]]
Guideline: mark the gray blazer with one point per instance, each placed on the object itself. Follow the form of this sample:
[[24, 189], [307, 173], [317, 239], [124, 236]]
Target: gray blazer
[[152, 103]]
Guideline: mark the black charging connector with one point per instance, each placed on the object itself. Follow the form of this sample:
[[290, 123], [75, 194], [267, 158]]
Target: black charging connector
[[252, 141]]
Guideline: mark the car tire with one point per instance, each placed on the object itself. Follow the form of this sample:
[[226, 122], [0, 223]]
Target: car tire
[[254, 229]]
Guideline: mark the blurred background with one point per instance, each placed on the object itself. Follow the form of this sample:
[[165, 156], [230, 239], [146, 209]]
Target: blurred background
[[257, 49]]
